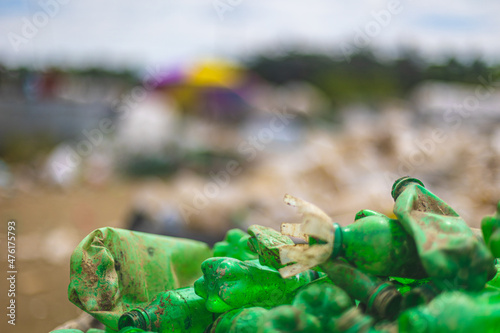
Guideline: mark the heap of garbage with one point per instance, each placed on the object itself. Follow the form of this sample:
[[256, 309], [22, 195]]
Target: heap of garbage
[[425, 270]]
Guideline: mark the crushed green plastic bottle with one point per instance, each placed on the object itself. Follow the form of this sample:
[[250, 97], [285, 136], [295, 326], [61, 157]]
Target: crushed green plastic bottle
[[114, 270], [490, 226], [179, 310], [244, 320], [234, 245], [449, 252], [229, 283], [455, 311]]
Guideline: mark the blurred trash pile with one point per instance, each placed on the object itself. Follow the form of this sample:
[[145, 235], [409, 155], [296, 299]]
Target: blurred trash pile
[[425, 270]]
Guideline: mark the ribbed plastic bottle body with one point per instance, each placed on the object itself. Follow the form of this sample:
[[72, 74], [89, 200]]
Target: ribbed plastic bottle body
[[380, 246], [179, 310], [449, 252]]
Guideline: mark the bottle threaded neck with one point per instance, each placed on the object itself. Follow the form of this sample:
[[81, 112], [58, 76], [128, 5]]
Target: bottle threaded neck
[[136, 318], [385, 301]]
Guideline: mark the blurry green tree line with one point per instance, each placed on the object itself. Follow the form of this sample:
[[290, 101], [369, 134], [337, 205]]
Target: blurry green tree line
[[363, 77]]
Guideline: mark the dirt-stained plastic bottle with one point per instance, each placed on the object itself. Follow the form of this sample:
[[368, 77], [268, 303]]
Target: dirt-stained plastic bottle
[[114, 270], [449, 252]]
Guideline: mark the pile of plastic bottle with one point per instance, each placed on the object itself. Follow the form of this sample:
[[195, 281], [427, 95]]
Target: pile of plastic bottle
[[425, 270]]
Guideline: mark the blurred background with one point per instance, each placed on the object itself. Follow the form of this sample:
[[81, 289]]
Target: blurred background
[[189, 118]]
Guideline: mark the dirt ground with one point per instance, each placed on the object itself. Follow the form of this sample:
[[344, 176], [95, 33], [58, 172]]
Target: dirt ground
[[49, 225]]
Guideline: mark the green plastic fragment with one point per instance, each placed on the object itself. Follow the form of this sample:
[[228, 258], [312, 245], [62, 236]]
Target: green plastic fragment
[[179, 310], [114, 270], [234, 245], [406, 285], [289, 319], [266, 242], [244, 320], [449, 252], [229, 283]]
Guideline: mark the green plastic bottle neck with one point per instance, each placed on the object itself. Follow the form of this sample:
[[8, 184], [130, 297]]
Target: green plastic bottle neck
[[401, 183], [137, 317], [385, 301], [337, 240]]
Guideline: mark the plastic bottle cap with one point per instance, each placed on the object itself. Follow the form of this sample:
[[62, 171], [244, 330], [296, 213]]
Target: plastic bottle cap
[[399, 184]]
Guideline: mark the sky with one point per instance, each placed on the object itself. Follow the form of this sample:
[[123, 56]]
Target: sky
[[138, 34]]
